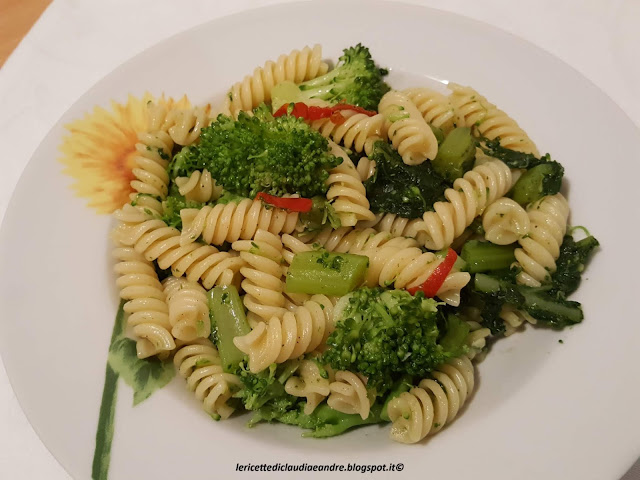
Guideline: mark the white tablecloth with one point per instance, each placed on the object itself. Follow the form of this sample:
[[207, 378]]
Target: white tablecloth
[[75, 43]]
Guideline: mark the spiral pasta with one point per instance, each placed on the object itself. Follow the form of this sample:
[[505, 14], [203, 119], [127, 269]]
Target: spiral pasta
[[234, 221], [153, 152], [366, 168], [407, 130], [486, 120], [152, 237], [504, 222], [541, 247], [297, 66], [188, 309], [396, 225], [200, 365], [308, 383], [146, 307], [349, 394], [476, 340], [410, 267], [468, 198], [358, 132], [426, 409], [354, 240], [434, 107], [199, 187], [262, 282], [346, 191], [298, 332]]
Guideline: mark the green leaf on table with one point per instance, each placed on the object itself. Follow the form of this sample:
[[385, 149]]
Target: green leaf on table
[[145, 376]]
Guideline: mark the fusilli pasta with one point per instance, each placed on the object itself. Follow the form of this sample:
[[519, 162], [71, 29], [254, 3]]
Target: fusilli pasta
[[301, 331], [505, 222], [358, 132], [434, 107], [468, 198], [152, 237], [426, 409], [349, 394], [263, 274], [199, 187], [146, 307], [297, 66], [234, 221], [350, 240], [486, 120], [407, 130], [308, 383], [188, 309], [200, 365], [541, 247], [153, 152], [346, 191]]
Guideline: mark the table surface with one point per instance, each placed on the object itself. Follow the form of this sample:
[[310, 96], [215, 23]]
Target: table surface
[[599, 38]]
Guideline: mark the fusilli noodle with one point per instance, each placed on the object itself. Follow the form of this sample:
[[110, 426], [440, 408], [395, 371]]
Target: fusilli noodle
[[346, 191], [350, 240], [307, 382], [486, 120], [358, 132], [188, 309], [234, 221], [199, 187], [152, 237], [263, 274], [301, 331], [349, 394], [410, 267], [297, 66], [434, 107], [435, 402], [407, 130], [468, 198], [200, 365], [146, 306], [541, 247], [505, 222], [153, 152], [366, 168]]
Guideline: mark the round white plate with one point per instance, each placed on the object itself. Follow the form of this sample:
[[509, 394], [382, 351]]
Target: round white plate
[[541, 410]]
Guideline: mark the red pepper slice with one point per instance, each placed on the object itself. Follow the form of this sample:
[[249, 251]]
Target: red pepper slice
[[292, 204], [311, 113], [432, 284]]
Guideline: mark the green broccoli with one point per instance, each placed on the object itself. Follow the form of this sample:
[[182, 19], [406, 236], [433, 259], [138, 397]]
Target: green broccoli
[[172, 205], [260, 153], [355, 80], [387, 333], [323, 422], [537, 182], [406, 190]]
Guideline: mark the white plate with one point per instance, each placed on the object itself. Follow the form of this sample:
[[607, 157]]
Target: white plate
[[542, 409]]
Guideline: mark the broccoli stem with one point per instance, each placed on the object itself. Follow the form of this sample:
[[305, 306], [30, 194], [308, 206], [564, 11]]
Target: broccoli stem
[[486, 256], [456, 154], [404, 384], [326, 273], [544, 179], [227, 315], [332, 423], [557, 313]]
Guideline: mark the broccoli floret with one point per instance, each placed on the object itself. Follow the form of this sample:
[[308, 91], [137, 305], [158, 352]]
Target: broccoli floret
[[386, 333], [355, 80], [406, 190], [266, 387], [323, 422], [571, 263], [260, 153], [171, 208]]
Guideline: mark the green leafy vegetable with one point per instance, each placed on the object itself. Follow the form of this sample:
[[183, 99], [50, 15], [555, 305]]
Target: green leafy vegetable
[[512, 158], [406, 190], [571, 263]]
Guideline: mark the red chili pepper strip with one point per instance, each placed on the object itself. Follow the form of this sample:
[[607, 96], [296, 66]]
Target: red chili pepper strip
[[311, 113], [292, 204], [337, 118], [432, 284]]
